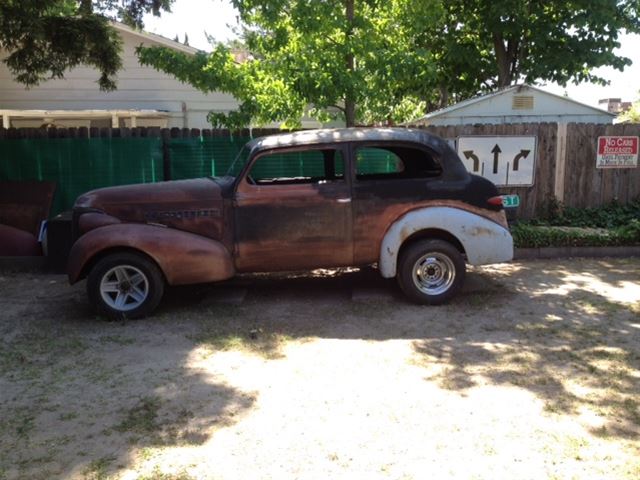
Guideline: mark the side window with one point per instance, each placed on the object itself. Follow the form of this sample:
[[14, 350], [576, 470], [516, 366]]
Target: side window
[[389, 162], [377, 161], [296, 167]]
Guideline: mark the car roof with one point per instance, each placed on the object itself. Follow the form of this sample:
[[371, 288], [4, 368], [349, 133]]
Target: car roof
[[341, 135], [453, 168]]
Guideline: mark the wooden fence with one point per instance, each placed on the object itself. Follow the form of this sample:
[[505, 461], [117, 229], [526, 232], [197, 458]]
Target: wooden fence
[[565, 168], [565, 165], [139, 132], [584, 185], [532, 199]]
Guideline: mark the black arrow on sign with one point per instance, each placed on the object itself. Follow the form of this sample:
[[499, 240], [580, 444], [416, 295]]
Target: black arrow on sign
[[516, 161], [476, 161], [496, 154]]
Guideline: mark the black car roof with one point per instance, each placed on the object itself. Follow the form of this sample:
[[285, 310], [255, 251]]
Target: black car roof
[[453, 167]]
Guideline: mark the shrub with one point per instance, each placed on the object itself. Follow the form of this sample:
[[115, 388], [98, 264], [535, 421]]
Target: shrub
[[532, 236], [612, 215]]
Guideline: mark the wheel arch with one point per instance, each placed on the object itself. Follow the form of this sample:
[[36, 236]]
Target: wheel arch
[[432, 233], [480, 240], [92, 261], [182, 257]]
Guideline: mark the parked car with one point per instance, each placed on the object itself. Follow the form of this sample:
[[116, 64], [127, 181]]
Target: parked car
[[400, 198]]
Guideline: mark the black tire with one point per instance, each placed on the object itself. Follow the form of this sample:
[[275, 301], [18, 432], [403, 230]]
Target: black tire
[[125, 285], [430, 272]]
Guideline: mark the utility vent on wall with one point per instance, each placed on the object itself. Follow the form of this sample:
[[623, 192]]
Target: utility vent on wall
[[522, 102]]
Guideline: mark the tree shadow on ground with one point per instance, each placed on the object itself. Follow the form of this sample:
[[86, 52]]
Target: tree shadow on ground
[[82, 397], [545, 327], [571, 345]]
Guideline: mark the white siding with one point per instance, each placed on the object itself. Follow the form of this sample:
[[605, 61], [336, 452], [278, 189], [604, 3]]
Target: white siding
[[139, 88], [452, 119]]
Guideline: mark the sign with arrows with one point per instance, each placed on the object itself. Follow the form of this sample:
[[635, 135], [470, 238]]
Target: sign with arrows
[[506, 161]]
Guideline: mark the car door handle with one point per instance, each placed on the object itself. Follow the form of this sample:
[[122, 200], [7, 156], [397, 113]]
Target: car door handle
[[343, 200]]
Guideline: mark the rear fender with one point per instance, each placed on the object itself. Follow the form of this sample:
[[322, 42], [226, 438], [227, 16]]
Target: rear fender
[[183, 257], [483, 240]]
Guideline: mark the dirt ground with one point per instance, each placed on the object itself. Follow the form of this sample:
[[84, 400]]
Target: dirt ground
[[532, 372]]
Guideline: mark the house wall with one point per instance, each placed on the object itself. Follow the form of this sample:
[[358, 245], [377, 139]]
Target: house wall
[[140, 88], [498, 109]]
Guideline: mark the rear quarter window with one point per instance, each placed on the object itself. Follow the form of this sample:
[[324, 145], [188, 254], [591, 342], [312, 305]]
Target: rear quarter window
[[389, 162]]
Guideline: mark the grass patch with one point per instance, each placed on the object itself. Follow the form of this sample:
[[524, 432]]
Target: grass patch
[[65, 417], [141, 419], [117, 339], [28, 353], [157, 474], [232, 328], [631, 409], [254, 340], [97, 469], [18, 422]]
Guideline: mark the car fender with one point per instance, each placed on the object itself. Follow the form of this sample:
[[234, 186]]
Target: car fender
[[483, 240], [183, 257]]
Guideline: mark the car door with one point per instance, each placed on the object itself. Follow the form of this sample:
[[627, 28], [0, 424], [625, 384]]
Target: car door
[[293, 211], [390, 178]]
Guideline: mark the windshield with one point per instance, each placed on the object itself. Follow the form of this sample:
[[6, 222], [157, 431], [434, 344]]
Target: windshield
[[238, 164]]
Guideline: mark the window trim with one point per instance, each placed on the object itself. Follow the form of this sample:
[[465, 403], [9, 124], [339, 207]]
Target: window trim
[[341, 147], [354, 146]]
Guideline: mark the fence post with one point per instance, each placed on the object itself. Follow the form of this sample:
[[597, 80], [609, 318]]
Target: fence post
[[561, 161], [166, 154]]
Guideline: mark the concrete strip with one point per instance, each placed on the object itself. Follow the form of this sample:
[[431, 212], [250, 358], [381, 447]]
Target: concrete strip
[[568, 252]]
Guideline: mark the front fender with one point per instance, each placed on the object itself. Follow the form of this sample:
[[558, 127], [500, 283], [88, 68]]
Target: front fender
[[483, 241], [183, 257]]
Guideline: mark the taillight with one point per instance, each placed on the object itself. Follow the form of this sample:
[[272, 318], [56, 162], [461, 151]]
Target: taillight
[[495, 201]]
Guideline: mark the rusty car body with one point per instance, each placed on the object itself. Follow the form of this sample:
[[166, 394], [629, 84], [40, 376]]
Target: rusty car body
[[400, 198]]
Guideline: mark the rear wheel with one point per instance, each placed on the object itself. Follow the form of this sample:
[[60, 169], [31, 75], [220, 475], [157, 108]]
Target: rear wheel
[[125, 285], [431, 271]]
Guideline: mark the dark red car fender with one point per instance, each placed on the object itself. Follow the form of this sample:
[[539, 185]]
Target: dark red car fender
[[183, 257]]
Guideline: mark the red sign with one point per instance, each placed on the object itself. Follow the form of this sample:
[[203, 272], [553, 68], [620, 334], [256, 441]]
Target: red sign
[[617, 152]]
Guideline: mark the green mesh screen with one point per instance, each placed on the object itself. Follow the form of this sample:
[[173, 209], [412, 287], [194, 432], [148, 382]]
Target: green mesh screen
[[81, 164], [294, 164], [204, 156], [370, 161]]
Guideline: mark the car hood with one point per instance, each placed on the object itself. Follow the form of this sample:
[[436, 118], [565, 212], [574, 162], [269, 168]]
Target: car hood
[[191, 205]]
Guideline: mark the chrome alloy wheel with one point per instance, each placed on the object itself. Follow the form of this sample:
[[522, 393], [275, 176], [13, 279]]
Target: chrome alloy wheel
[[124, 288], [434, 273]]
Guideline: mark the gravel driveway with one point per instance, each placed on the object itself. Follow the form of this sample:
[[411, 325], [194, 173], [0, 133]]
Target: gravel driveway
[[532, 372]]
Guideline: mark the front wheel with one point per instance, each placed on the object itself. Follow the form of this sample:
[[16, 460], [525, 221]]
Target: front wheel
[[125, 285], [431, 271]]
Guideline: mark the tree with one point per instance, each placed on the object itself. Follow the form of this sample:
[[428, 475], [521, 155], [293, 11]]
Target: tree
[[632, 115], [45, 38], [355, 60], [484, 45]]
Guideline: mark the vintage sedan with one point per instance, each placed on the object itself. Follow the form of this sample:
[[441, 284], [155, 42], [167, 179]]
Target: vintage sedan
[[399, 198]]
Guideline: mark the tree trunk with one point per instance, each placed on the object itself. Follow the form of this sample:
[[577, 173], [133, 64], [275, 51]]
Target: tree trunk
[[349, 100], [504, 63], [444, 96], [86, 7], [507, 57]]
